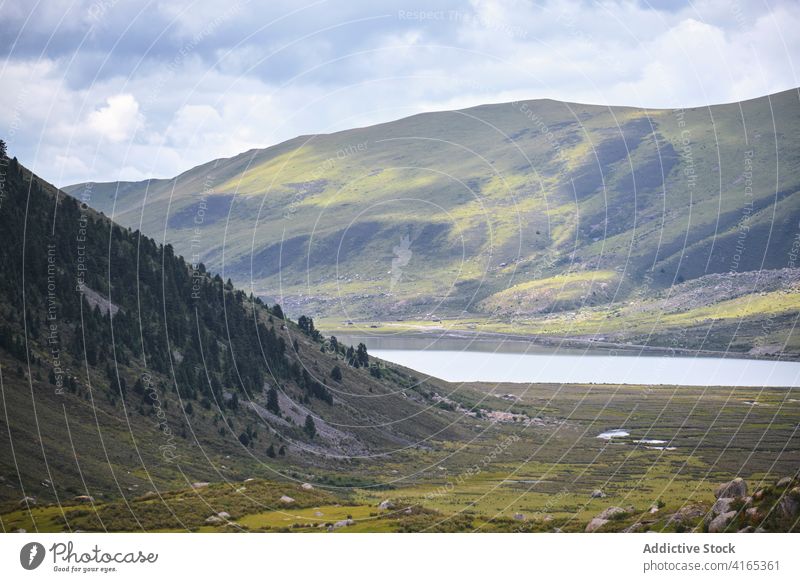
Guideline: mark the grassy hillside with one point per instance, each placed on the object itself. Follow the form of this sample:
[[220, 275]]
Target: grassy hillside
[[502, 214], [125, 369]]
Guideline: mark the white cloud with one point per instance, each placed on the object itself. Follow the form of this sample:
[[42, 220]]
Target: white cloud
[[124, 106], [118, 120]]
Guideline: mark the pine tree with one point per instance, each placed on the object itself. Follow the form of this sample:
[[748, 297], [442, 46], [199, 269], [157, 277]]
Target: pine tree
[[362, 356], [310, 427], [336, 373], [272, 401]]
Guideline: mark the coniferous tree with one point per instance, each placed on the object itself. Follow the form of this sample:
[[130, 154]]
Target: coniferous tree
[[336, 373], [272, 401], [310, 427]]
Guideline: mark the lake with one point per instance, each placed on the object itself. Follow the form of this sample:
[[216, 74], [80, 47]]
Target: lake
[[468, 360]]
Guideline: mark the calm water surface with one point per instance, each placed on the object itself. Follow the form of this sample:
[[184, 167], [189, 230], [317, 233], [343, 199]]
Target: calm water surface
[[467, 360]]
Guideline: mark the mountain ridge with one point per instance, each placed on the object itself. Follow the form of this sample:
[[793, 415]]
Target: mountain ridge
[[490, 197]]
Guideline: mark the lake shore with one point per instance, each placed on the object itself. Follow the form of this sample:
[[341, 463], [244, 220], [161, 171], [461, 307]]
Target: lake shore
[[365, 330]]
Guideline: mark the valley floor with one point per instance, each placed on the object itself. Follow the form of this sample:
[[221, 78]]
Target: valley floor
[[534, 462]]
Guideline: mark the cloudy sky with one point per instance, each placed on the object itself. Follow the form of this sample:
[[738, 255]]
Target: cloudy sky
[[112, 89]]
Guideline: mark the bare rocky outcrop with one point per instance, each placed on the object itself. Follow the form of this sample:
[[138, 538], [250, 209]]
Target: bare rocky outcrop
[[328, 440], [95, 299]]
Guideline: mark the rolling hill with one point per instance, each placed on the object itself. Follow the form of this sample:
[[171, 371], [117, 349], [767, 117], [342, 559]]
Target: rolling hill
[[520, 217]]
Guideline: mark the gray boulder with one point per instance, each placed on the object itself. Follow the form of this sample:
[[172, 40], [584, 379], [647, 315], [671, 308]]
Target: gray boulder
[[753, 513], [611, 513], [735, 488], [595, 524], [789, 505], [720, 522], [597, 494], [687, 513], [785, 482], [722, 505]]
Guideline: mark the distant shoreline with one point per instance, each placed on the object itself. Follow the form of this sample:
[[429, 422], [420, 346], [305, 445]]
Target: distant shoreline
[[558, 342]]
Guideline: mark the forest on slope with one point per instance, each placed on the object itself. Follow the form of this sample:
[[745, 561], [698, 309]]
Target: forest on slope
[[124, 367]]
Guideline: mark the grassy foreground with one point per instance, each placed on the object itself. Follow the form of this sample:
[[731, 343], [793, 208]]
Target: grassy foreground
[[533, 467]]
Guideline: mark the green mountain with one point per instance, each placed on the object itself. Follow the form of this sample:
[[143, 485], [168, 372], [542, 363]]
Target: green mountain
[[534, 217]]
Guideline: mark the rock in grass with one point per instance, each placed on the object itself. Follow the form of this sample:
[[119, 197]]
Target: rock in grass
[[83, 499], [753, 513], [720, 522], [386, 504], [213, 519], [789, 505], [307, 486], [736, 488], [199, 485], [25, 501], [286, 499], [785, 482], [597, 494], [686, 514], [611, 513], [722, 505], [224, 515], [595, 524]]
